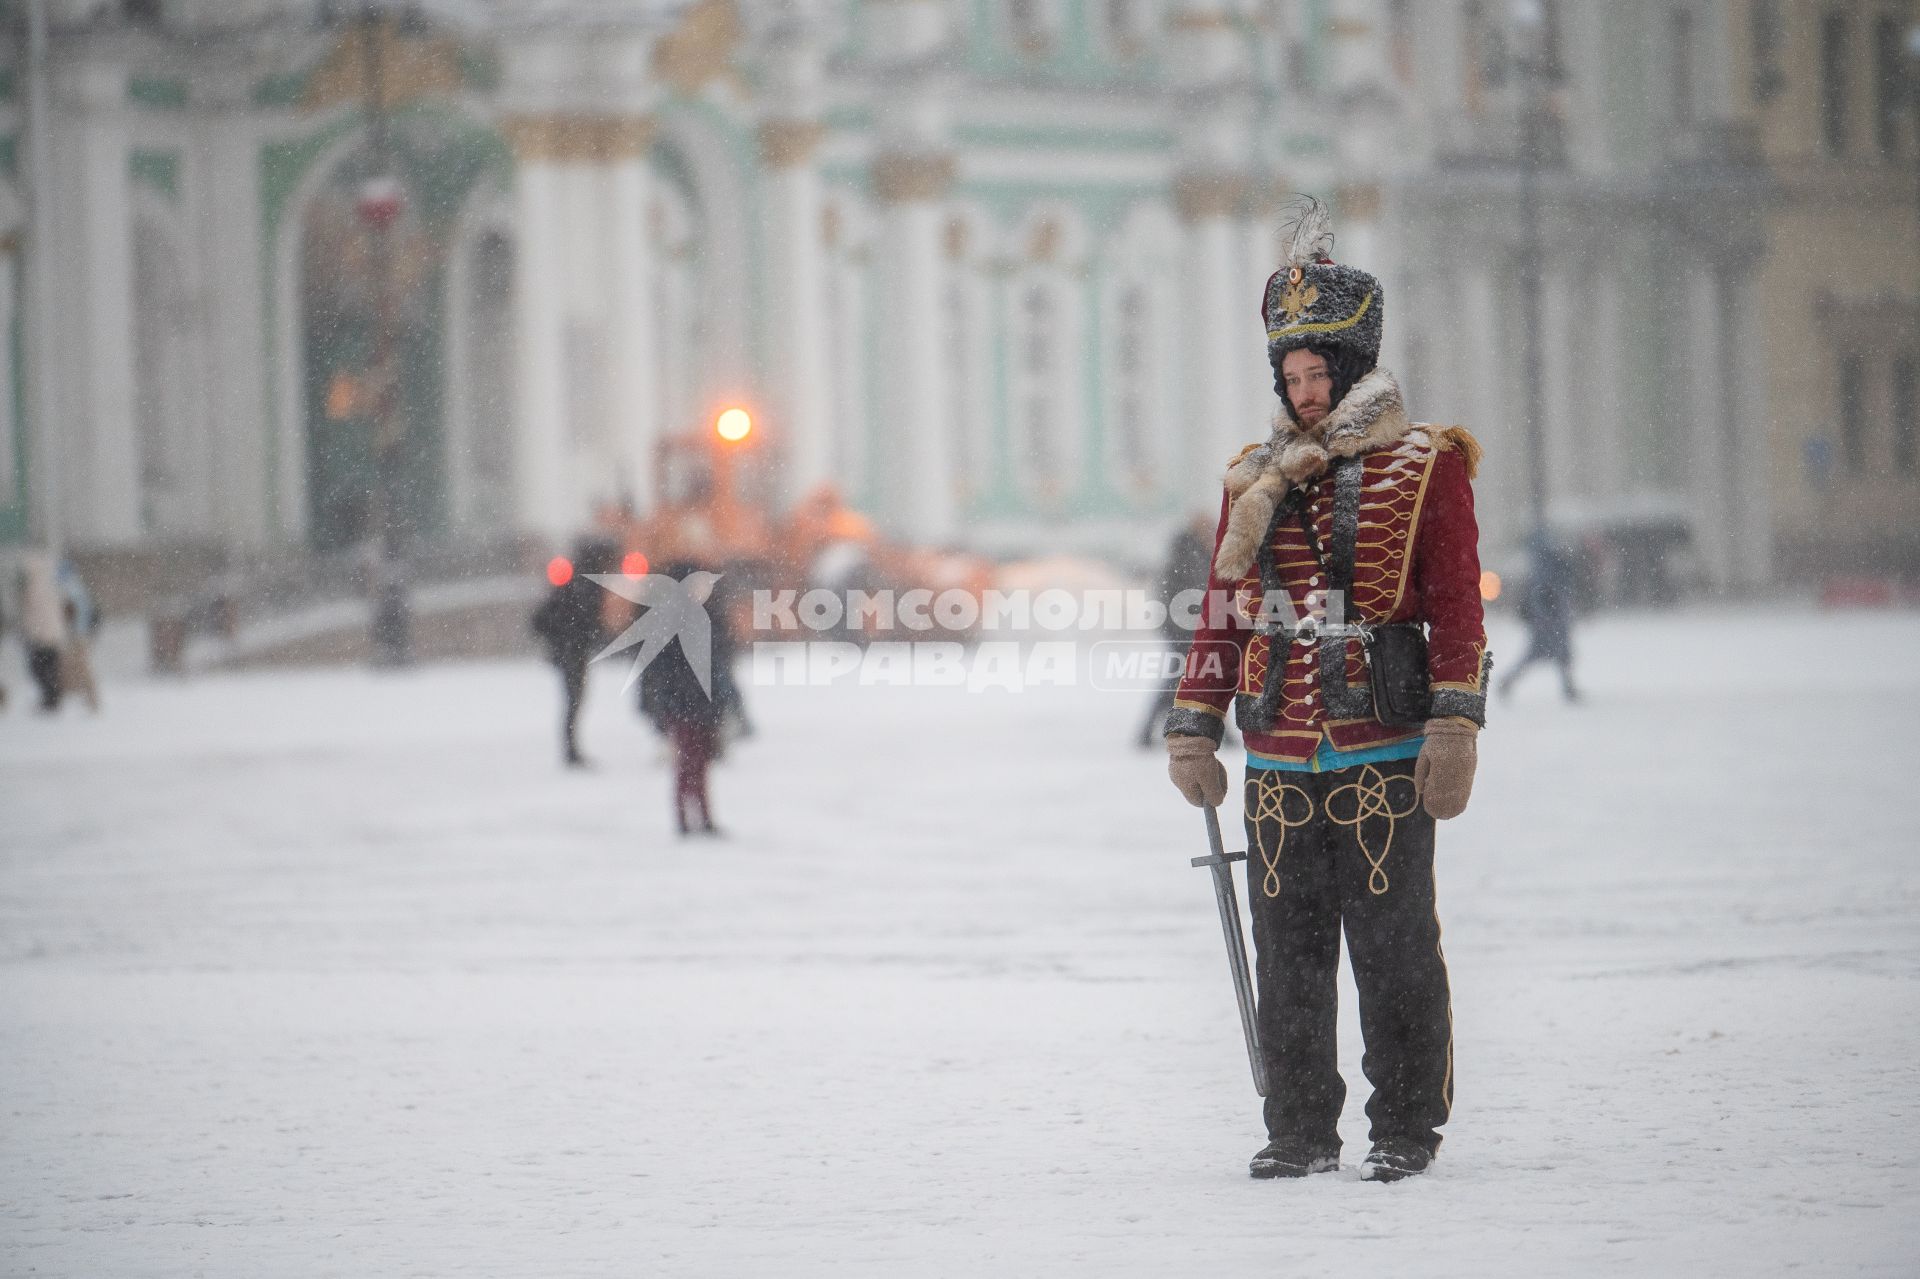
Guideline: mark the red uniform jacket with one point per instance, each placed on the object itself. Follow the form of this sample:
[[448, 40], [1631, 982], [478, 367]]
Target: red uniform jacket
[[1394, 501]]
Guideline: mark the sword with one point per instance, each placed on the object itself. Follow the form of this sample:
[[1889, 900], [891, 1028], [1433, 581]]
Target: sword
[[1220, 862]]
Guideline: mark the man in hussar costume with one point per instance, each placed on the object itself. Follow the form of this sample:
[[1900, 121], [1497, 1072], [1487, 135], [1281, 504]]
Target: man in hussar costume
[[1354, 656]]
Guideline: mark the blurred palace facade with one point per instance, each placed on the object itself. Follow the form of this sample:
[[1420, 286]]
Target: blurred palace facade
[[990, 266]]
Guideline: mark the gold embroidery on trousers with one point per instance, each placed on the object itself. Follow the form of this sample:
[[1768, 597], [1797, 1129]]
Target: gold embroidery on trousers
[[1271, 797], [1369, 798]]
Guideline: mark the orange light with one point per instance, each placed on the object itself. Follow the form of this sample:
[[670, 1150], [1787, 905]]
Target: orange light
[[559, 570], [343, 397], [734, 425], [634, 564], [1489, 585]]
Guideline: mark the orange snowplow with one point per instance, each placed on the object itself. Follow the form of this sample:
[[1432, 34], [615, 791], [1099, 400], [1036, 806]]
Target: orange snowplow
[[715, 512]]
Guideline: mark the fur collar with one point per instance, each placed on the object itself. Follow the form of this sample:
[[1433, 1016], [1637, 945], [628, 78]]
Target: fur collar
[[1370, 416]]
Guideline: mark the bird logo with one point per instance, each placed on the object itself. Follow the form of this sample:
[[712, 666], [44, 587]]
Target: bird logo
[[1298, 299], [669, 609]]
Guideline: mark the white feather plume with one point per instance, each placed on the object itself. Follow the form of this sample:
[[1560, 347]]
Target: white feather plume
[[1309, 232]]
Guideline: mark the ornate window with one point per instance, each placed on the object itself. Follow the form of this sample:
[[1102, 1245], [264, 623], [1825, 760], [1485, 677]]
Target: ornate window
[[1124, 25], [1834, 33], [1135, 384], [1889, 85], [9, 423], [1680, 49], [490, 375], [1401, 40], [1553, 60], [1483, 56], [1044, 406], [164, 413], [965, 307], [679, 333], [1032, 26], [1853, 412], [1906, 414], [1768, 79], [845, 308]]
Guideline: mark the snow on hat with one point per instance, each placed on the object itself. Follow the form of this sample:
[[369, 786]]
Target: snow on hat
[[1313, 300]]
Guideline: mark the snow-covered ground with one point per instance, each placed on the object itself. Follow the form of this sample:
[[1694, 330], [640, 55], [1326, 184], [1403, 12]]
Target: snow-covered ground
[[337, 973]]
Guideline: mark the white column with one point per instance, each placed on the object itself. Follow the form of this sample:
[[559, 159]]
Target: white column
[[540, 448], [1602, 415], [1260, 257], [1750, 458], [10, 277], [93, 274], [1707, 494], [798, 382], [1476, 347], [585, 460], [1219, 319], [905, 43], [1562, 346], [456, 426], [632, 398], [917, 473], [260, 497], [795, 295]]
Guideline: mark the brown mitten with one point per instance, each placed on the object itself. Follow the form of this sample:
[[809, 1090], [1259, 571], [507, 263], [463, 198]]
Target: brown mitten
[[1443, 775], [1196, 770]]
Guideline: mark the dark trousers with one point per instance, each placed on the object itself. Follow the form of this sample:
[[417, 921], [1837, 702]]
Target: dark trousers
[[1559, 651], [573, 687], [693, 748], [1349, 849], [43, 663]]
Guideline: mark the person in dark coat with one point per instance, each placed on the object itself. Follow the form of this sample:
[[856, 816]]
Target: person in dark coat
[[734, 720], [44, 626], [1188, 559], [570, 622], [1546, 607], [688, 714]]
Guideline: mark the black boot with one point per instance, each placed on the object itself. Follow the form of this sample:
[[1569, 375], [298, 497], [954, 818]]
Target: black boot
[[1393, 1158], [1290, 1158]]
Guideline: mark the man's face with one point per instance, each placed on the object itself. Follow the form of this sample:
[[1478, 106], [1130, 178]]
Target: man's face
[[1308, 384]]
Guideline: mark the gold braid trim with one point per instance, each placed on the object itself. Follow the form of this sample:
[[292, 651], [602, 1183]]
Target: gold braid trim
[[1272, 815]]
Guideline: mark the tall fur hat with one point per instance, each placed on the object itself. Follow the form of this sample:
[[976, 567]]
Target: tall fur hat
[[1312, 299]]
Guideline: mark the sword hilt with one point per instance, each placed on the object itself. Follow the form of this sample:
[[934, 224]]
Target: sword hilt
[[1218, 859]]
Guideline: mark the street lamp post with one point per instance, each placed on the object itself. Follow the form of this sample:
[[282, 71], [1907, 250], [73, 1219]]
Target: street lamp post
[[38, 279], [1530, 22], [381, 201], [380, 204], [1913, 101]]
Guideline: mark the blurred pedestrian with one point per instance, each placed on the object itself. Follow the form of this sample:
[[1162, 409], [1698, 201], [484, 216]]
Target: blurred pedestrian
[[571, 622], [43, 626], [687, 712], [1547, 610], [83, 623], [1185, 569], [3, 641], [732, 703]]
